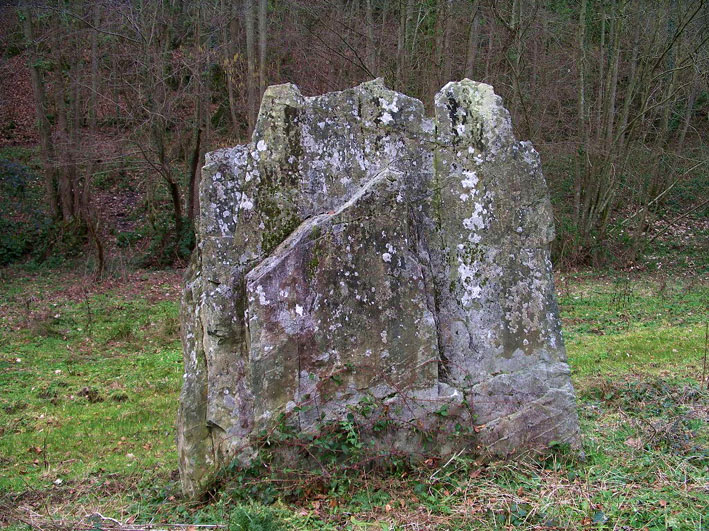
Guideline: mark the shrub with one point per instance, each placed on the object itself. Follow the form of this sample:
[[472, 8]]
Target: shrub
[[22, 223]]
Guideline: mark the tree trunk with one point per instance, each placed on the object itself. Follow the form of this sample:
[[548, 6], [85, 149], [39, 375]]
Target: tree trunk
[[92, 221], [689, 110], [176, 203], [611, 88], [601, 64], [631, 88], [401, 44], [447, 37], [166, 173], [439, 39], [384, 27], [488, 58], [411, 28], [262, 30], [193, 192], [250, 64], [582, 155], [74, 147], [64, 156], [370, 49], [44, 128], [472, 49], [96, 8], [229, 37]]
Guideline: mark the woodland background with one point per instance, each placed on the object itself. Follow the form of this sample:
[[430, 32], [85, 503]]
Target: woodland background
[[107, 107]]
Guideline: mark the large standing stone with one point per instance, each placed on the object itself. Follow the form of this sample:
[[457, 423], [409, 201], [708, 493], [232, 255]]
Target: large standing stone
[[356, 249]]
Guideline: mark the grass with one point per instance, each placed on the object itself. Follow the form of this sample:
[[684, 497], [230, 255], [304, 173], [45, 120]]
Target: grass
[[90, 375], [89, 379], [644, 323]]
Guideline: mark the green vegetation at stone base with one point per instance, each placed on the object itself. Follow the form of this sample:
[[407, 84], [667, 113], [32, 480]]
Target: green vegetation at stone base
[[104, 425]]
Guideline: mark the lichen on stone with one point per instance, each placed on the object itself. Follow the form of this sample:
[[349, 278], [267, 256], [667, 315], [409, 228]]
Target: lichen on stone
[[357, 252]]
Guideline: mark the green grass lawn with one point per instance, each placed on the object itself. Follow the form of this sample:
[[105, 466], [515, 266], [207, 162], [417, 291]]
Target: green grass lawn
[[90, 375]]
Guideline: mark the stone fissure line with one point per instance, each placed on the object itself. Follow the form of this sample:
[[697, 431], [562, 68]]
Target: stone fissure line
[[374, 252], [293, 238]]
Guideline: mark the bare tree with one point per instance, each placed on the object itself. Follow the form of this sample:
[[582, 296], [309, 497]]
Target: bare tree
[[251, 81], [262, 30]]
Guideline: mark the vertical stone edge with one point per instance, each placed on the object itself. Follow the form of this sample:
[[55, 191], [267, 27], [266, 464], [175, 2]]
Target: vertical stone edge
[[499, 325]]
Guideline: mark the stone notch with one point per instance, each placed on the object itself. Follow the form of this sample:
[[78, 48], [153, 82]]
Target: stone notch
[[358, 250]]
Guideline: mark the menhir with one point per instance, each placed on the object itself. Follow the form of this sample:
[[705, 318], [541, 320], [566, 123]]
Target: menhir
[[357, 252]]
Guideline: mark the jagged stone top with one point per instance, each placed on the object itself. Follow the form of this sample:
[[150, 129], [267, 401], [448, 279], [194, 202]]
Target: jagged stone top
[[387, 109], [356, 250]]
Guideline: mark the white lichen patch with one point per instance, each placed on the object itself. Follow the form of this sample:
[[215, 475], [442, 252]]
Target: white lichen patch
[[470, 179], [263, 301], [389, 106], [476, 221], [468, 276], [530, 155], [525, 301], [245, 203]]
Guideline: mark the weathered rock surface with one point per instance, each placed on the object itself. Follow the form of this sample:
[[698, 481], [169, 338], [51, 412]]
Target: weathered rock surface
[[357, 250]]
